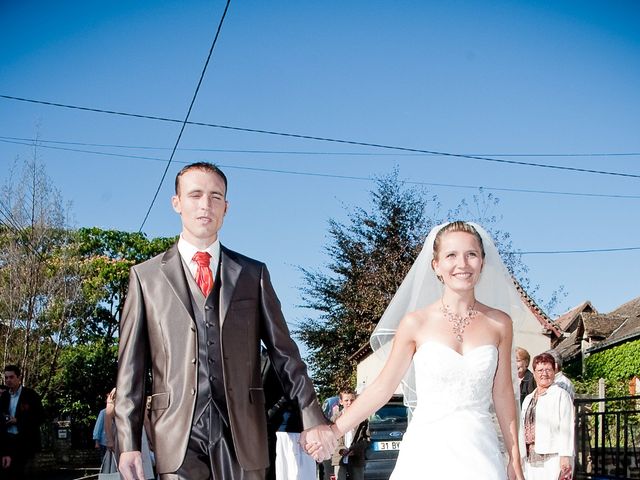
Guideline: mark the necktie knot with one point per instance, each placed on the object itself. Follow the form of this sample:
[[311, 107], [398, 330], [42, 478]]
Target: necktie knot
[[202, 259], [204, 277]]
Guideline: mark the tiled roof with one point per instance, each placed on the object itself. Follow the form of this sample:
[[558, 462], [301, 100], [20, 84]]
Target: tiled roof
[[627, 329], [600, 326], [537, 312], [629, 309], [570, 346], [567, 321]]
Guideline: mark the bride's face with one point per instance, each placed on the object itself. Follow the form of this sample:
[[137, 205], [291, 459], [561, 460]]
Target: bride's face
[[459, 261]]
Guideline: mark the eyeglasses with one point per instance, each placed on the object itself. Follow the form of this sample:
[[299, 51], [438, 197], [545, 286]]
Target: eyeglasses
[[544, 370]]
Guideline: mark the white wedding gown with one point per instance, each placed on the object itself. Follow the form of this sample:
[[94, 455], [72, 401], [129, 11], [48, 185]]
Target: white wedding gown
[[452, 434]]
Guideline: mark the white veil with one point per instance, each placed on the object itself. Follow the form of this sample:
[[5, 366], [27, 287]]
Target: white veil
[[421, 288]]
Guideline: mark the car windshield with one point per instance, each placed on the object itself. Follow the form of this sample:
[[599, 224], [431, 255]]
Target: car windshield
[[389, 414]]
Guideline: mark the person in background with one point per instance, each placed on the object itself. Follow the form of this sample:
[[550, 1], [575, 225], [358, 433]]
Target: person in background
[[546, 426], [349, 456], [560, 378], [102, 440], [22, 412], [525, 376]]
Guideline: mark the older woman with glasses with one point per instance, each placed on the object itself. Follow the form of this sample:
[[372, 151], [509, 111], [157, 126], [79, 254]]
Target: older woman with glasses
[[546, 426]]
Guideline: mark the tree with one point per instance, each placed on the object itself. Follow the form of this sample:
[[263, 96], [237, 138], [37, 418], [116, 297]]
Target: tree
[[87, 369], [39, 282], [369, 258], [61, 292]]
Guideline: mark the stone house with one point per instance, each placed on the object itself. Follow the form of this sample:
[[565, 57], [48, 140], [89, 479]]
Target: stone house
[[586, 331]]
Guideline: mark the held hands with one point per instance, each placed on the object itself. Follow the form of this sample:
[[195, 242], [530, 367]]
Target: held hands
[[319, 442]]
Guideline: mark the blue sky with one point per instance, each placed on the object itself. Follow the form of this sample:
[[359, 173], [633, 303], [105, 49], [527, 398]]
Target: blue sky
[[485, 78]]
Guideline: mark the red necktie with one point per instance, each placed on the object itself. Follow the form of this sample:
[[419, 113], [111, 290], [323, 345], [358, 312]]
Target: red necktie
[[204, 277]]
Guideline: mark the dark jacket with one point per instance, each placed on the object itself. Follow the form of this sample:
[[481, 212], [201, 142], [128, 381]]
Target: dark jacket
[[29, 417], [527, 385]]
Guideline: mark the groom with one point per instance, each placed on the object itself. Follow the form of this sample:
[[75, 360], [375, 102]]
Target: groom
[[194, 318]]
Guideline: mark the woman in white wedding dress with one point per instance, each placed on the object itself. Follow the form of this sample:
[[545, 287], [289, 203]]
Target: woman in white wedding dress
[[446, 333]]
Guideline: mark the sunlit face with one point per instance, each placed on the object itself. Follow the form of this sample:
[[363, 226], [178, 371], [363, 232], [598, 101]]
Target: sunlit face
[[544, 373], [459, 262], [346, 399], [11, 380], [522, 367], [202, 206]]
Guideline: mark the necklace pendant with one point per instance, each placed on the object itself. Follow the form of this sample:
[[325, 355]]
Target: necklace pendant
[[458, 322]]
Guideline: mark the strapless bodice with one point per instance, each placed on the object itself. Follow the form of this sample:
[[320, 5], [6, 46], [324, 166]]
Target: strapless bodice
[[447, 381]]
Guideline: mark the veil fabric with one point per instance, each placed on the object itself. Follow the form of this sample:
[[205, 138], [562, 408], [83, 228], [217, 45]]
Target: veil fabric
[[421, 287]]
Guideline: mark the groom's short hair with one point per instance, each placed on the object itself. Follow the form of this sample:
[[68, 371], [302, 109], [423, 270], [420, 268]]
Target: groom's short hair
[[205, 166]]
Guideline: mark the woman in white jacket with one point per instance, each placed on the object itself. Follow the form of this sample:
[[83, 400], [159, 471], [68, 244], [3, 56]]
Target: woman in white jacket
[[546, 426]]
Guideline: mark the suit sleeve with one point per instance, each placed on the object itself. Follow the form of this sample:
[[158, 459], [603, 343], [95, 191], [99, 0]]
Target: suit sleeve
[[285, 356], [132, 367]]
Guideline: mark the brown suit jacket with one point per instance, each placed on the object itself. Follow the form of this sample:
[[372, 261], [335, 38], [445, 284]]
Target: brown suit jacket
[[157, 333]]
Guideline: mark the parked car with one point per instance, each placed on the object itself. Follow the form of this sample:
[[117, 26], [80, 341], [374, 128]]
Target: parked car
[[386, 429]]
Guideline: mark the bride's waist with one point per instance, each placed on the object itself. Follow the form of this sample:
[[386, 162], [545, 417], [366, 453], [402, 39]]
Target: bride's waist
[[432, 411]]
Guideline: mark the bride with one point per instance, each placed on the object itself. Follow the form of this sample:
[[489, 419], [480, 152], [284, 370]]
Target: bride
[[443, 332]]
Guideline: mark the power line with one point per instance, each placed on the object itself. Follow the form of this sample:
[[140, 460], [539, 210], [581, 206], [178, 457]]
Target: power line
[[328, 139], [315, 152], [591, 250], [342, 177], [186, 118]]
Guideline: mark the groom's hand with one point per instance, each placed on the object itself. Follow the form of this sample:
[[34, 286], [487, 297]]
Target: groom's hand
[[319, 442]]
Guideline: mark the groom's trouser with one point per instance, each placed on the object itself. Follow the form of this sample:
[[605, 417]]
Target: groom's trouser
[[210, 453]]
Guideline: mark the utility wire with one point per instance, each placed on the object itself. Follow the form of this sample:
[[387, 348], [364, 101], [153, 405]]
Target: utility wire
[[342, 177], [186, 118], [316, 152], [12, 225], [591, 250], [328, 139]]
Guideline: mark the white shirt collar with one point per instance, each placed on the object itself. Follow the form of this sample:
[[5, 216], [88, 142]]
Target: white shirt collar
[[187, 251]]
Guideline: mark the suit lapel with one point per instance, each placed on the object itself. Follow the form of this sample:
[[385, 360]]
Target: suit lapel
[[174, 273], [229, 272]]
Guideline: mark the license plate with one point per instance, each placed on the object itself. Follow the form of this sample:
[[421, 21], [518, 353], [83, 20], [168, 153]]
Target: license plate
[[384, 446]]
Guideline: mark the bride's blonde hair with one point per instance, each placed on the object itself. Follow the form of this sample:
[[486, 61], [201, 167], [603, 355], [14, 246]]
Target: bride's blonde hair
[[457, 226]]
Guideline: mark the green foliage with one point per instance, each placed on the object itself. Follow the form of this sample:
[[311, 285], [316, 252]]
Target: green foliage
[[618, 363], [107, 256], [86, 373], [370, 256]]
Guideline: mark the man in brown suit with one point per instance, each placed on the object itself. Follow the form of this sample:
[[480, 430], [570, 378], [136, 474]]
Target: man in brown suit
[[195, 317]]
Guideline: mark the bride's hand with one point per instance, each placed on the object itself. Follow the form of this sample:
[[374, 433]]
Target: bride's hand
[[513, 473]]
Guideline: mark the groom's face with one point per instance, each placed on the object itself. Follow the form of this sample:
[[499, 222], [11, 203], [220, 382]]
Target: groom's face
[[201, 203]]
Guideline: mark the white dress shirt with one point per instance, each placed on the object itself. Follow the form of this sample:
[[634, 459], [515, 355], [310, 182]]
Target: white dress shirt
[[187, 251]]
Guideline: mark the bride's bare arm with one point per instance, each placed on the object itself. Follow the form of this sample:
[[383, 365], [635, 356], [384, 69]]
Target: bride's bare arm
[[381, 389], [504, 397]]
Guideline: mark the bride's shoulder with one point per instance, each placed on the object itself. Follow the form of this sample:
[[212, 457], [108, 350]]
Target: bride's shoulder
[[421, 317], [498, 316]]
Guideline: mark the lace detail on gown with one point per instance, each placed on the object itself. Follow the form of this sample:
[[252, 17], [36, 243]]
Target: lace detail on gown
[[451, 434]]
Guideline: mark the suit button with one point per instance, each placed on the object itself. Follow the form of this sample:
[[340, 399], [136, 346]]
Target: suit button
[[193, 391], [207, 307], [193, 360], [211, 378], [193, 329], [209, 342]]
